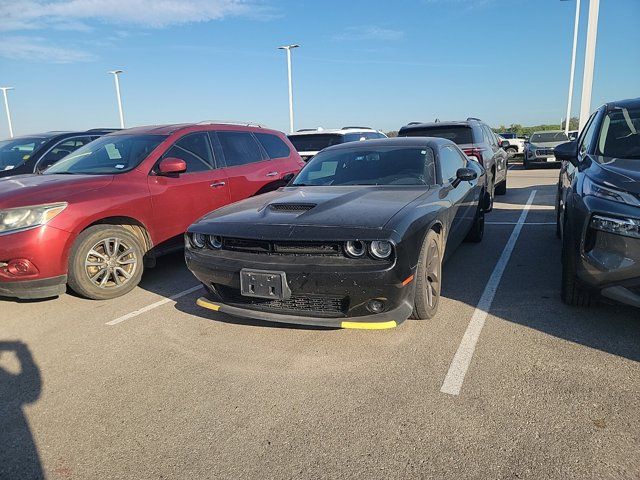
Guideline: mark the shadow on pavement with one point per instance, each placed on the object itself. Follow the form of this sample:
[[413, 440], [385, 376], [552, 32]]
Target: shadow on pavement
[[19, 457]]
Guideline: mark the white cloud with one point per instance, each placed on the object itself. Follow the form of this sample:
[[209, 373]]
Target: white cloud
[[36, 14], [369, 32], [40, 50]]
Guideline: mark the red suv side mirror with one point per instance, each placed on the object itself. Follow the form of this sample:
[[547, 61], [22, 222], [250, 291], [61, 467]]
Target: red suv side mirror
[[169, 166]]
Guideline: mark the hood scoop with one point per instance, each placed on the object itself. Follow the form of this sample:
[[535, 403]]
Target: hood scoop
[[291, 207]]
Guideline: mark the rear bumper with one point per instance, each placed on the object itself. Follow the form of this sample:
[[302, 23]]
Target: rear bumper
[[34, 289]]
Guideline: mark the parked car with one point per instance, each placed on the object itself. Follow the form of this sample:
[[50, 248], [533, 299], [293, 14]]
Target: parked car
[[90, 220], [309, 142], [515, 144], [35, 153], [357, 239], [598, 207], [477, 140], [539, 148]]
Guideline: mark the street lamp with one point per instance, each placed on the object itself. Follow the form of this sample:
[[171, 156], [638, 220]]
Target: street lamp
[[288, 49], [6, 107], [573, 65], [589, 61], [116, 74]]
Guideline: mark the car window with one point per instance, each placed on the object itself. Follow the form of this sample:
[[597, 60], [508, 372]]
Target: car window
[[460, 135], [620, 134], [450, 162], [491, 138], [15, 152], [587, 138], [315, 142], [195, 150], [61, 150], [370, 166], [273, 145], [239, 148]]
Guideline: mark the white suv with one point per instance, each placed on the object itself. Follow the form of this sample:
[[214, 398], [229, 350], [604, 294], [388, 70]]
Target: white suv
[[309, 142]]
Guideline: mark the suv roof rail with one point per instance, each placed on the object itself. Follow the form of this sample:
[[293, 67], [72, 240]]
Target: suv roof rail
[[319, 129], [231, 122], [415, 123], [357, 128], [473, 118], [99, 130]]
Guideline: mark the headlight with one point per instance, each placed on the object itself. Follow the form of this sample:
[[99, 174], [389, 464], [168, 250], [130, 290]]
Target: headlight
[[596, 190], [214, 241], [629, 227], [22, 218], [355, 248], [198, 240], [381, 249]]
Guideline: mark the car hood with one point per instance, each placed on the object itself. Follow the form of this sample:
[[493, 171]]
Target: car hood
[[620, 173], [24, 190], [364, 207]]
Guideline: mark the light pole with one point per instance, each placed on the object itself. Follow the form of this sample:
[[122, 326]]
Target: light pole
[[589, 61], [288, 49], [6, 107], [116, 74], [573, 65]]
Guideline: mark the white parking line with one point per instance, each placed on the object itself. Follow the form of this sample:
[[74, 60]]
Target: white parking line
[[516, 223], [462, 359], [142, 310]]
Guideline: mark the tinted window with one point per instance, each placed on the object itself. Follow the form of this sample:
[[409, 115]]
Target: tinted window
[[61, 150], [620, 134], [362, 166], [108, 155], [14, 153], [239, 148], [457, 134], [450, 162], [195, 150], [489, 136], [508, 135], [315, 142], [273, 145]]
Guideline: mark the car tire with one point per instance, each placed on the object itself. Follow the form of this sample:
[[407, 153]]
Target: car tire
[[571, 291], [428, 278], [525, 164], [512, 152], [501, 188], [106, 261], [558, 217], [476, 233]]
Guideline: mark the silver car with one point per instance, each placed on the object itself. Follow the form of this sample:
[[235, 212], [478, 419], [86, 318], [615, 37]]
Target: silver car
[[539, 148]]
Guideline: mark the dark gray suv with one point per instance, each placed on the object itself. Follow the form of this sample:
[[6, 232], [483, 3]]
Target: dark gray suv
[[477, 140]]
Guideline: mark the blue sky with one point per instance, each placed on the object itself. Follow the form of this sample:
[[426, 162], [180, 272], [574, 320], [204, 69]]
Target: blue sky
[[376, 63]]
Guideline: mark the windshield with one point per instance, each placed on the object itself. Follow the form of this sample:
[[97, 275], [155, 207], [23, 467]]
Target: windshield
[[315, 142], [15, 152], [108, 155], [620, 134], [507, 135], [362, 166], [541, 137], [460, 135]]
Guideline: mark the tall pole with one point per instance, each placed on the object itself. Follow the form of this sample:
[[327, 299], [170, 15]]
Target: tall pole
[[6, 108], [573, 66], [288, 50], [116, 74], [589, 61]]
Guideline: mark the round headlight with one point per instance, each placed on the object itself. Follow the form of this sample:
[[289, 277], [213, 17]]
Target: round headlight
[[381, 249], [198, 240], [215, 241], [355, 248]]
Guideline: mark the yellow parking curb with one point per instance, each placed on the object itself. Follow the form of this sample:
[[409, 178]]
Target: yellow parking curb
[[370, 325], [207, 304]]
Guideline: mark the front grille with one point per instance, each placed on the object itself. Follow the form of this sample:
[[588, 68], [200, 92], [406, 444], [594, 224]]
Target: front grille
[[281, 248], [544, 151], [291, 207], [318, 305]]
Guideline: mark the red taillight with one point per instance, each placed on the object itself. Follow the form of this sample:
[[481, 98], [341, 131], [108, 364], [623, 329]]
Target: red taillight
[[474, 152]]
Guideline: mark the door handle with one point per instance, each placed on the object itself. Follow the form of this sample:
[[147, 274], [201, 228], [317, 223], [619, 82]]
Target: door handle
[[272, 174], [218, 184]]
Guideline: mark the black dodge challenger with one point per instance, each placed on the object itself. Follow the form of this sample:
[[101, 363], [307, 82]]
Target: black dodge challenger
[[356, 240]]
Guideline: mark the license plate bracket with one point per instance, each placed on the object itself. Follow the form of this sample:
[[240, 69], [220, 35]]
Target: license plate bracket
[[264, 284]]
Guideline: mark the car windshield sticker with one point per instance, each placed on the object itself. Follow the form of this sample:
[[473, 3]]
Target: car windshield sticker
[[113, 152], [9, 167], [119, 166], [26, 157]]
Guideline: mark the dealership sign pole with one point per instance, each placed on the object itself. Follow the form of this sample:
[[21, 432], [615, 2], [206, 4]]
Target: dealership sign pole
[[589, 61], [573, 66], [288, 49], [6, 107], [116, 74]]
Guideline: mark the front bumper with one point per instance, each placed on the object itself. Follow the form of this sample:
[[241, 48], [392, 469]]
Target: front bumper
[[34, 289], [322, 294], [610, 263]]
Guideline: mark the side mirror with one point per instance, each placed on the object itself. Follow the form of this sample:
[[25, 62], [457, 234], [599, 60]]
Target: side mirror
[[171, 166], [288, 177], [504, 144], [567, 151], [464, 175]]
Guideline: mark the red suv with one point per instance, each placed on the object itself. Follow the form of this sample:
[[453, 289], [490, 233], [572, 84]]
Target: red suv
[[95, 217]]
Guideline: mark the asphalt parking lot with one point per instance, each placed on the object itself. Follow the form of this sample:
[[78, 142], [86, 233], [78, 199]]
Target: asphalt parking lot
[[152, 387]]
